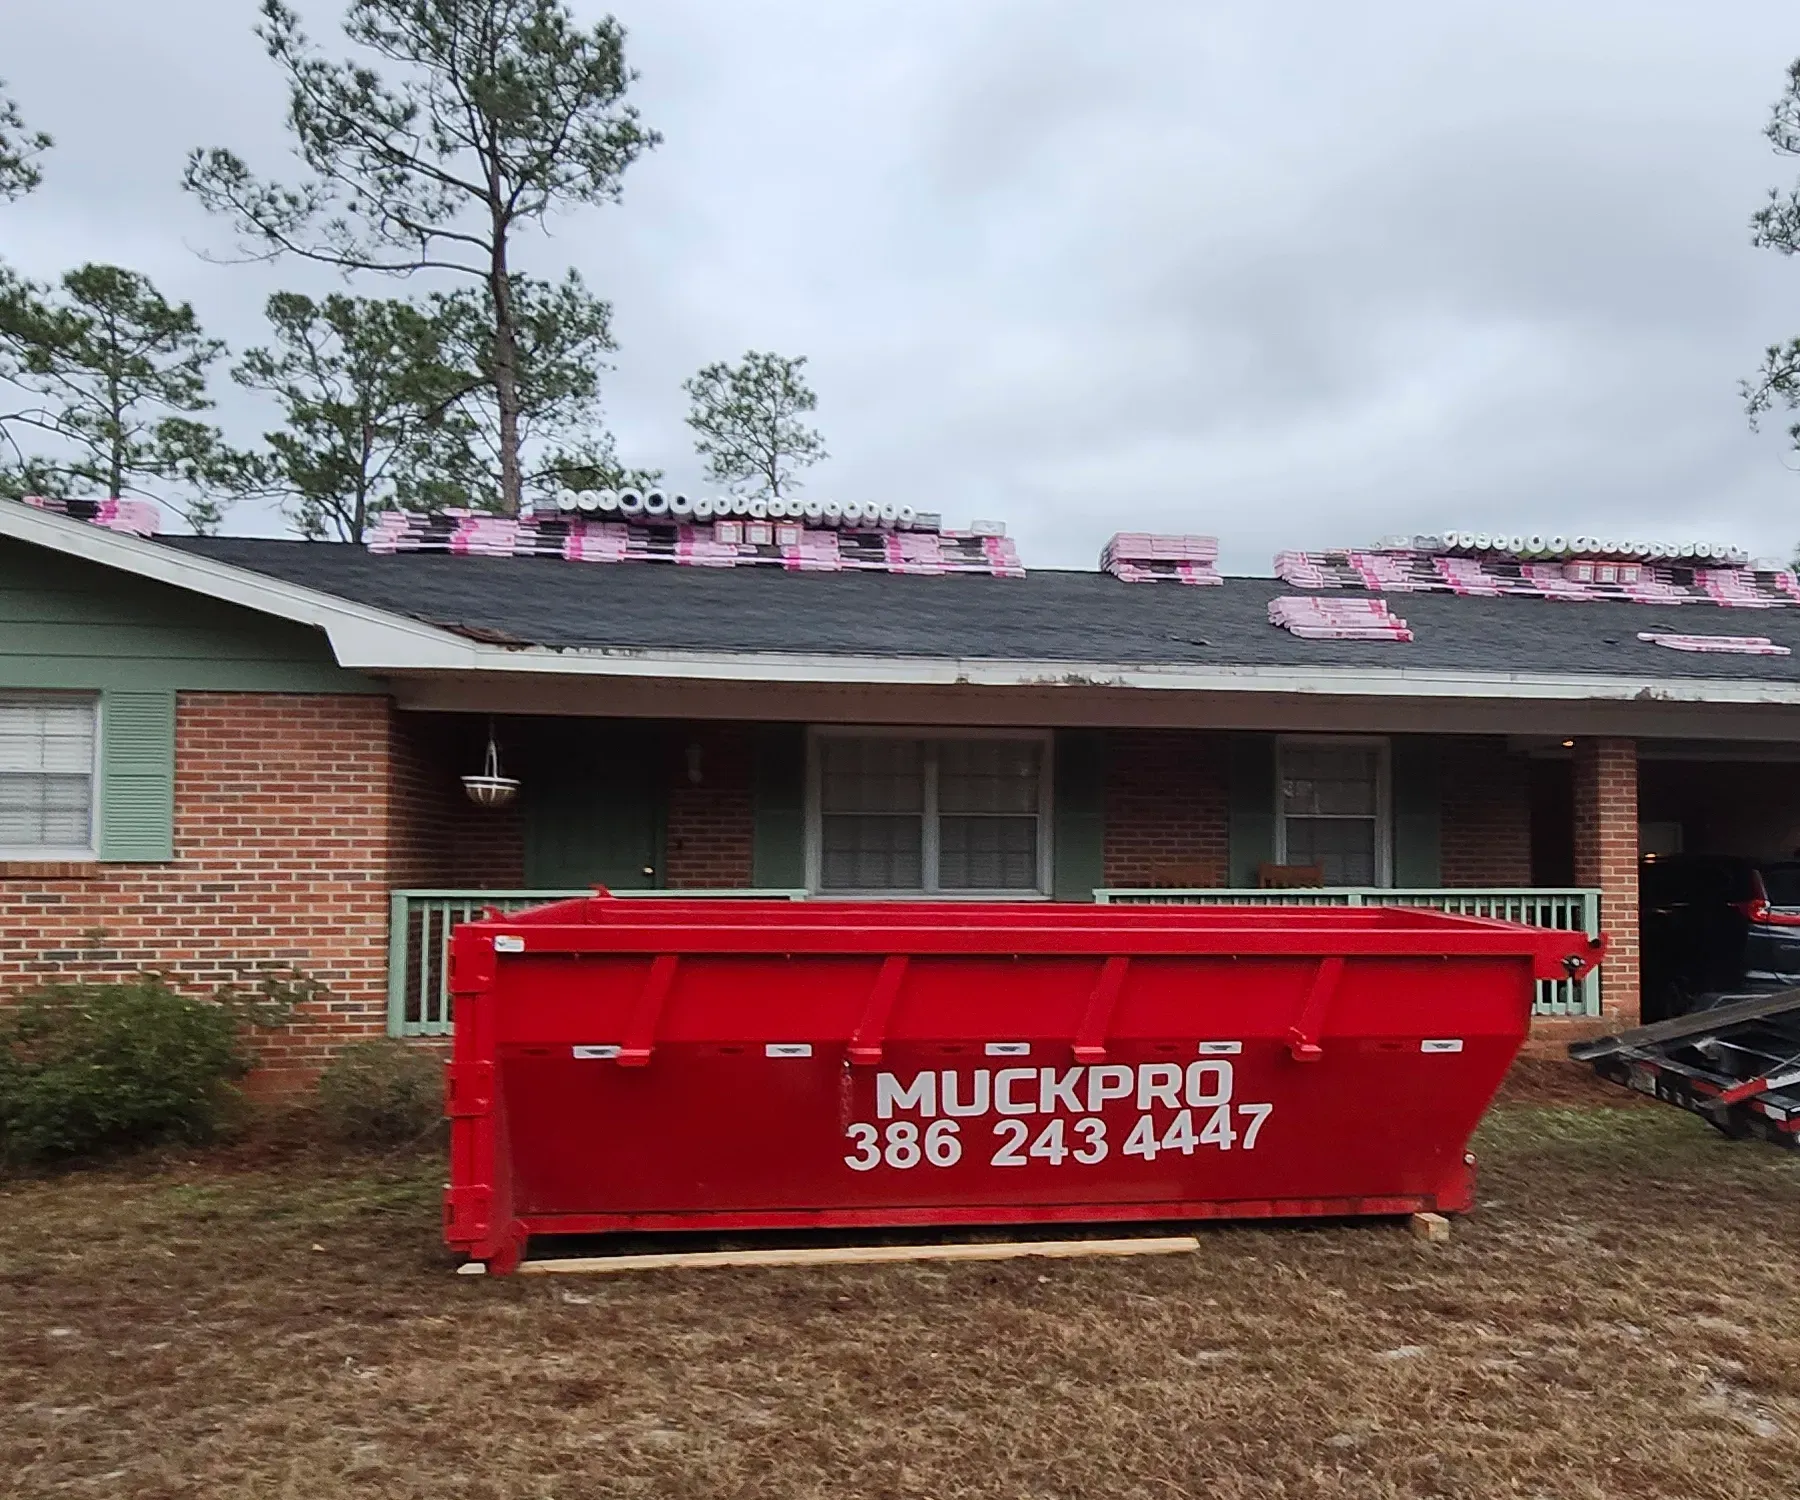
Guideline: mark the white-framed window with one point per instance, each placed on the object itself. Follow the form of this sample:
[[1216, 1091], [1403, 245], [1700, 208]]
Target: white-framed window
[[49, 772], [1332, 807], [928, 812]]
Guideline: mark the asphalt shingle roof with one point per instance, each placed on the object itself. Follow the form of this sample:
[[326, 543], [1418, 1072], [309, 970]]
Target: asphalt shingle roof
[[1049, 616]]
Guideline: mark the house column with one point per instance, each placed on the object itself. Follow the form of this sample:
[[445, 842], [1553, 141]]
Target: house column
[[1606, 856]]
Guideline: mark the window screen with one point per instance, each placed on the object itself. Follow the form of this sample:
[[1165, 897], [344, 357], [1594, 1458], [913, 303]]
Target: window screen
[[1330, 810], [46, 775], [927, 815]]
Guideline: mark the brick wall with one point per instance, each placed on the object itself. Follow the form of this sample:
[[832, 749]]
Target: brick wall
[[1485, 815], [1606, 855], [711, 823], [441, 839], [1167, 809], [282, 855]]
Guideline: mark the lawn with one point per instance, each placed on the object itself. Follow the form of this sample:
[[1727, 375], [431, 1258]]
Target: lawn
[[1621, 1318]]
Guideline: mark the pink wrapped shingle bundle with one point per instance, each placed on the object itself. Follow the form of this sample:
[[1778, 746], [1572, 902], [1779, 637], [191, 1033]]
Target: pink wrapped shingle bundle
[[722, 544], [699, 547], [1316, 619], [1002, 555], [595, 541], [814, 552], [1553, 582], [1659, 579], [1464, 575], [1386, 572], [1308, 570], [1736, 645], [919, 556], [133, 517], [1142, 557], [1737, 588]]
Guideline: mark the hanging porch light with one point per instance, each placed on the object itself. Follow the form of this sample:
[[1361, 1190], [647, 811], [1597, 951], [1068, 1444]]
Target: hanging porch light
[[490, 788]]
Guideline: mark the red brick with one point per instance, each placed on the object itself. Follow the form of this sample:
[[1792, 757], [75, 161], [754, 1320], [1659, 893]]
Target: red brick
[[711, 823], [1606, 856]]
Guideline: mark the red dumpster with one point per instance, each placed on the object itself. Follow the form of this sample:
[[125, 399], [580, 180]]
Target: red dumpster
[[655, 1064]]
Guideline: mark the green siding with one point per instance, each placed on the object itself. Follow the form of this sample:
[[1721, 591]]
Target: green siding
[[593, 808], [1417, 854], [778, 792], [137, 776], [1078, 812], [68, 623], [1252, 825]]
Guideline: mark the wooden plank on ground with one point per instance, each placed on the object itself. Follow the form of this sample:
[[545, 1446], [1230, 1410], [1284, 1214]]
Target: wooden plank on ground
[[859, 1255]]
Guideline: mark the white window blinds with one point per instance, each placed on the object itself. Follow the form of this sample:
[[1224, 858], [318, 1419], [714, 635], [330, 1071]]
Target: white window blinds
[[46, 775]]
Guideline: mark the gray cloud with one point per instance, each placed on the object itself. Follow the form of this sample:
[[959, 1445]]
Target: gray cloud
[[1296, 275]]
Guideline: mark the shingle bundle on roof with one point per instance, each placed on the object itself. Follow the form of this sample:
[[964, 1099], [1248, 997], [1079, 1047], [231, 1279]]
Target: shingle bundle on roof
[[1734, 645], [135, 517], [1317, 619], [720, 544], [1139, 557], [1642, 582]]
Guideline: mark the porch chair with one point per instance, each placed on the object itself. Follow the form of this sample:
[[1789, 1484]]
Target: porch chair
[[1288, 877]]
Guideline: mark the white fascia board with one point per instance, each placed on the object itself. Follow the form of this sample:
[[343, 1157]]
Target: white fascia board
[[368, 632], [890, 671], [384, 644]]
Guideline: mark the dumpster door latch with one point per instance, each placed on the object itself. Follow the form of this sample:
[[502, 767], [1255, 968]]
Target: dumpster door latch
[[646, 1014], [871, 1031], [1090, 1037], [1303, 1035]]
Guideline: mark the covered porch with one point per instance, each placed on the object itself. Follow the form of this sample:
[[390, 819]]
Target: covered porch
[[820, 811]]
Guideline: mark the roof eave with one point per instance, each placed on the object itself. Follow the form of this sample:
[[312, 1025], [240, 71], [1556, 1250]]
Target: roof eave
[[359, 634], [382, 643]]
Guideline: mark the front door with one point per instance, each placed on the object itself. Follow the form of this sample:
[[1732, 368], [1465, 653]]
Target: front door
[[593, 805]]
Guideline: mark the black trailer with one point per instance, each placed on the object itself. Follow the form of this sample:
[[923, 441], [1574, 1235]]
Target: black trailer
[[1735, 1064]]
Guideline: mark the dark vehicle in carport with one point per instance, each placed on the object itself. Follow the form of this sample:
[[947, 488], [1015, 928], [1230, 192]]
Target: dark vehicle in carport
[[1713, 927]]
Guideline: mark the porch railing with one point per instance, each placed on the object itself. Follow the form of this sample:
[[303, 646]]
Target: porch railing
[[419, 928], [1564, 910], [420, 923]]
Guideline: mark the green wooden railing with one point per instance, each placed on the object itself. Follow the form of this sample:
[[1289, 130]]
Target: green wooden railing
[[419, 928], [420, 923], [1564, 910]]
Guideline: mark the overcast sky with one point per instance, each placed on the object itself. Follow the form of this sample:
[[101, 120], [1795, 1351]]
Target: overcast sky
[[1298, 275]]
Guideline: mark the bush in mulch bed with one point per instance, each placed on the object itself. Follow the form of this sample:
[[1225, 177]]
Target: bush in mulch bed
[[382, 1093], [87, 1069]]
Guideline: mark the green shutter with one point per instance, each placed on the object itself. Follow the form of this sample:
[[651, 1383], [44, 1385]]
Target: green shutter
[[1252, 807], [137, 776], [1416, 801], [1078, 814], [778, 792]]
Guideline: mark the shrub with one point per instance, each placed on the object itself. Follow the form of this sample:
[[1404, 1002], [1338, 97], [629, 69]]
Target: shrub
[[91, 1068], [382, 1093]]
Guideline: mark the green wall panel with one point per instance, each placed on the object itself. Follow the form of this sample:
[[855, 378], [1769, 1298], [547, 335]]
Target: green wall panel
[[68, 623], [1417, 823], [1078, 809], [1253, 792], [778, 792]]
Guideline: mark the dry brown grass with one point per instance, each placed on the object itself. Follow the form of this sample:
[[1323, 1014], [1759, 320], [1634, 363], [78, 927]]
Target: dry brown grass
[[1622, 1318]]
